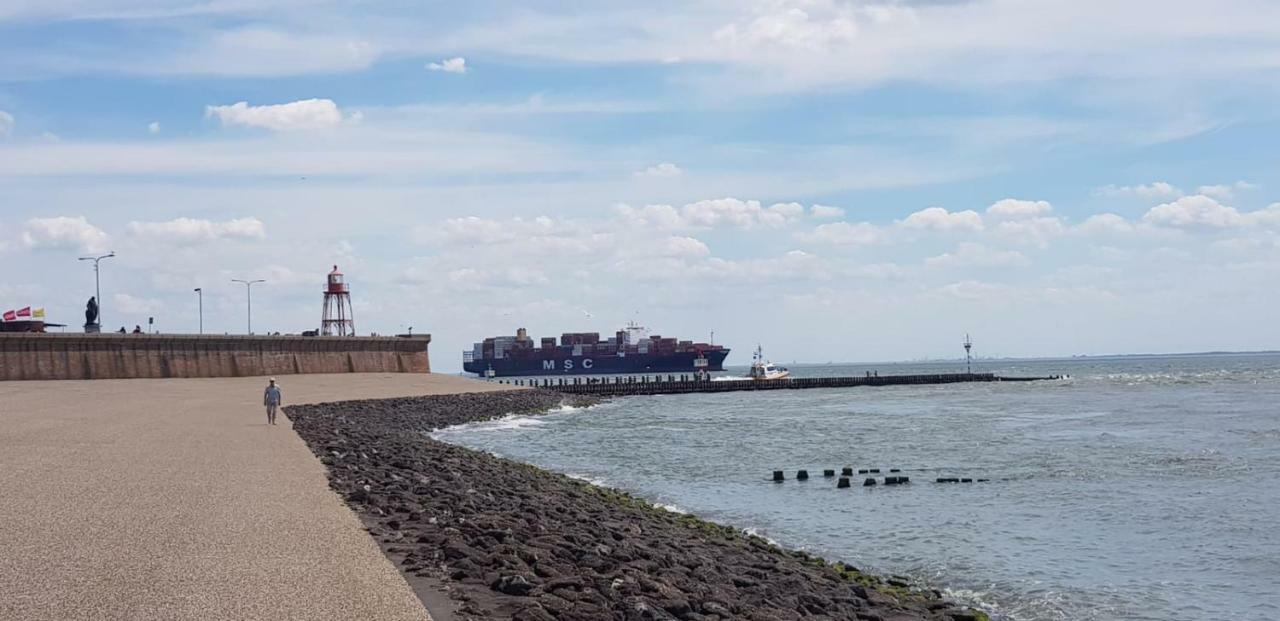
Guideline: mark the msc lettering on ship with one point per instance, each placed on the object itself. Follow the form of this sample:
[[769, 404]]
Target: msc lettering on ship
[[550, 365]]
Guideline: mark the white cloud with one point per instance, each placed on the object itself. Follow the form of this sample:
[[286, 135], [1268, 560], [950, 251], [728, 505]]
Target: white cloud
[[154, 127], [1219, 191], [683, 247], [1012, 208], [260, 48], [970, 254], [1031, 231], [451, 65], [661, 217], [1267, 218], [1158, 189], [1105, 223], [781, 214], [473, 230], [1205, 213], [721, 211], [844, 234], [825, 212], [794, 265], [665, 169], [468, 278], [972, 290], [191, 230], [541, 236], [810, 27], [6, 123], [1194, 212], [65, 233], [804, 43], [1224, 191], [298, 115], [359, 149], [136, 306], [709, 214], [939, 219]]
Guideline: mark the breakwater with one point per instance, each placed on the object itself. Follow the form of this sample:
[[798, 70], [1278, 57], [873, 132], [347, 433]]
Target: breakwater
[[29, 356], [684, 384], [510, 541]]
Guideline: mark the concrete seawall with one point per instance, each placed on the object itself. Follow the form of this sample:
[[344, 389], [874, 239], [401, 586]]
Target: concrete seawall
[[122, 356]]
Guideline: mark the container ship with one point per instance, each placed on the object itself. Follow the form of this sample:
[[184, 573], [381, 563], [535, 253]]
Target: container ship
[[630, 350]]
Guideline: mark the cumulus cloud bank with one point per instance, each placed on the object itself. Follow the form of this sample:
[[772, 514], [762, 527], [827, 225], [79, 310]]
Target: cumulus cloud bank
[[713, 213], [298, 115], [65, 232], [939, 219], [189, 229], [1012, 208]]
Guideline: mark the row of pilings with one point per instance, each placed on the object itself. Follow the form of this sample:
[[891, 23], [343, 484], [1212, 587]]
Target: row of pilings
[[894, 477]]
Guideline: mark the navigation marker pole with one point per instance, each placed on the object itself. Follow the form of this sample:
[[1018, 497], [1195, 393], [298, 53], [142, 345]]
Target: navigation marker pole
[[968, 359]]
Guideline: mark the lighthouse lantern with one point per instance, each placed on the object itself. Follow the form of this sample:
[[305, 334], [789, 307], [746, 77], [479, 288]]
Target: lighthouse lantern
[[338, 318]]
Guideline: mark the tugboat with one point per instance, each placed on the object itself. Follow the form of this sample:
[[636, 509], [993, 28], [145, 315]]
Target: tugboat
[[762, 369]]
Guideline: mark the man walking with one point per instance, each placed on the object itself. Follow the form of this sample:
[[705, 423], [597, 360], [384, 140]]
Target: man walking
[[271, 398]]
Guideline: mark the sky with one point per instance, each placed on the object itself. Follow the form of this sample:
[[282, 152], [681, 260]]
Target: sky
[[835, 180]]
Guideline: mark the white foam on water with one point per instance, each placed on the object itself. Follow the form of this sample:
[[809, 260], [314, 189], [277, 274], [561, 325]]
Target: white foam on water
[[598, 482], [506, 423], [755, 533], [671, 508], [969, 597]]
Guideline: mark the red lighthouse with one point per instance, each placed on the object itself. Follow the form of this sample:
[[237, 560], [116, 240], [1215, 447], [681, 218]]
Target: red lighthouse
[[338, 320]]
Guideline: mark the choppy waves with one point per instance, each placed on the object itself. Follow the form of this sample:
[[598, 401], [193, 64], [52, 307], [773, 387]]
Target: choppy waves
[[1138, 489]]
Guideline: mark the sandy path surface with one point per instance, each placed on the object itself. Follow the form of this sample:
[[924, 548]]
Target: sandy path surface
[[172, 499]]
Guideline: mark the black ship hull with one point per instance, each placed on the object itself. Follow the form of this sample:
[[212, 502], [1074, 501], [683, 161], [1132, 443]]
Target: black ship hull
[[680, 362]]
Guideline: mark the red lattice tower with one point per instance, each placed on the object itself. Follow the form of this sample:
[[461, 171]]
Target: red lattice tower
[[338, 318]]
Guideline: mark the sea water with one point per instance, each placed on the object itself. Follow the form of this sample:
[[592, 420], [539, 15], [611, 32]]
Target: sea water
[[1138, 488]]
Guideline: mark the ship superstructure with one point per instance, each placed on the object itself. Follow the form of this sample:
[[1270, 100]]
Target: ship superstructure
[[629, 350]]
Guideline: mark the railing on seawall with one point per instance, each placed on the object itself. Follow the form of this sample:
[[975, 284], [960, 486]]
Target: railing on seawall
[[681, 384]]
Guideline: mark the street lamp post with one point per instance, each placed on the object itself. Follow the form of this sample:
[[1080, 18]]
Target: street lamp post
[[200, 298], [248, 290], [97, 283]]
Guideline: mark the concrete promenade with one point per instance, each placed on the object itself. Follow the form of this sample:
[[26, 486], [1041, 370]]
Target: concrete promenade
[[172, 499]]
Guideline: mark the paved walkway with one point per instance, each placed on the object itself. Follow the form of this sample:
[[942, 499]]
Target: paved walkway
[[171, 499]]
